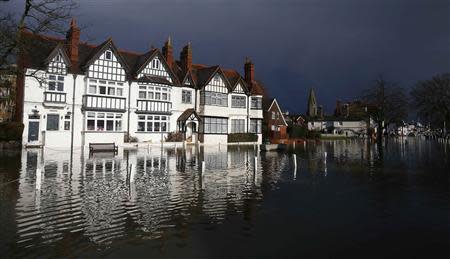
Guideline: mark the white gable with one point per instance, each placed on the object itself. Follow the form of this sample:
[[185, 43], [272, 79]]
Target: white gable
[[216, 84], [187, 81], [107, 67], [238, 89], [155, 68], [57, 65]]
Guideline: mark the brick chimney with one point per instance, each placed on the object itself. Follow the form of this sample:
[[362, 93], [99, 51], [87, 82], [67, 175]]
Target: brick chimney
[[72, 41], [249, 70], [186, 57], [167, 51]]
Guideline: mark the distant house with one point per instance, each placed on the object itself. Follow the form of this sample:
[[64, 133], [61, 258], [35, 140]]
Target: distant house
[[276, 124], [347, 127]]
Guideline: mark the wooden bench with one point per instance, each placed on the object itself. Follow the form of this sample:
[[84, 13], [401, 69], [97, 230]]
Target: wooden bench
[[102, 147]]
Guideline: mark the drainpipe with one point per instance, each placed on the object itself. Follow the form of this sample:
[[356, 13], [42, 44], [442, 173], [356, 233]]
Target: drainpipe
[[129, 103], [72, 129], [248, 113], [73, 112]]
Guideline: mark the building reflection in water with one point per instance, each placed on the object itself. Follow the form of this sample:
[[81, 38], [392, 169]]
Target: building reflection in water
[[97, 197]]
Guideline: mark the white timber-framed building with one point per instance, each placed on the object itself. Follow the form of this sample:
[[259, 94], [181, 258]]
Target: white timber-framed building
[[72, 92]]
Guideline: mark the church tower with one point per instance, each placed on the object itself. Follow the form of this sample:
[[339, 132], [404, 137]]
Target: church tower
[[312, 104]]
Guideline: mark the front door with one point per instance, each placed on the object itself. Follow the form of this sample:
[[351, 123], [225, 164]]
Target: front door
[[33, 131]]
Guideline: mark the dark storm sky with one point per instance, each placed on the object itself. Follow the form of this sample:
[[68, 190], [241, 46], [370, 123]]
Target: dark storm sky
[[336, 46]]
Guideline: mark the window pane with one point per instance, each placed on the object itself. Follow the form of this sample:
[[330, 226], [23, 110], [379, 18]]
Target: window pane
[[149, 126], [102, 90], [52, 122], [100, 125], [111, 91], [67, 125], [118, 125], [92, 89], [142, 94], [119, 91], [109, 125], [91, 125], [60, 86], [157, 124], [141, 126], [163, 126], [51, 86]]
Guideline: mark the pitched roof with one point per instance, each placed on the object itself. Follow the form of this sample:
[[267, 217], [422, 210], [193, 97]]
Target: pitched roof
[[39, 47], [274, 102], [187, 113]]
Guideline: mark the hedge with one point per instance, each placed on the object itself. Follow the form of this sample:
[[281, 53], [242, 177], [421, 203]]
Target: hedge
[[11, 131], [298, 132], [313, 134], [242, 137]]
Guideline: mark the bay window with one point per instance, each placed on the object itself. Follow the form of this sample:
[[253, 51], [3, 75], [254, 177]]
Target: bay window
[[215, 125], [100, 121], [153, 123], [238, 101], [256, 103], [255, 126], [237, 126]]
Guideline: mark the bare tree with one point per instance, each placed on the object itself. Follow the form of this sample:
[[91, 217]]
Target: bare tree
[[390, 103], [431, 100], [38, 17]]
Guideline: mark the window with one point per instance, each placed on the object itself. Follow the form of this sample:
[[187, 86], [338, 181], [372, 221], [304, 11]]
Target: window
[[216, 78], [100, 121], [108, 55], [102, 90], [255, 126], [215, 125], [56, 83], [102, 87], [92, 89], [214, 98], [256, 103], [238, 101], [186, 96], [154, 93], [273, 115], [67, 122], [155, 63], [152, 123], [52, 122], [237, 126]]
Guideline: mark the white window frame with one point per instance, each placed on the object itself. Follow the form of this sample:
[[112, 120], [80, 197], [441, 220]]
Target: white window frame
[[186, 96], [237, 125], [105, 118], [150, 121], [238, 101]]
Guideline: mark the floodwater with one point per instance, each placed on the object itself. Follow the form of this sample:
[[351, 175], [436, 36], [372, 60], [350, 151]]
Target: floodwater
[[357, 202]]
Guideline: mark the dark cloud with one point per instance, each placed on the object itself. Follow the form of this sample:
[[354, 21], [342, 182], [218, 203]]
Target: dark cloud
[[336, 46]]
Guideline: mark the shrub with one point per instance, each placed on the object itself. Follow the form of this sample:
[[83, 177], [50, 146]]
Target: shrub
[[313, 134], [11, 131], [174, 137], [298, 132], [242, 137], [130, 139]]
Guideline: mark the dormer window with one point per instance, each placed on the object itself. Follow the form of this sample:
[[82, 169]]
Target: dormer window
[[108, 55], [216, 78], [155, 63]]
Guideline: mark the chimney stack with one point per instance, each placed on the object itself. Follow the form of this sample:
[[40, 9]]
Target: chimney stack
[[186, 57], [167, 51], [72, 41], [249, 70]]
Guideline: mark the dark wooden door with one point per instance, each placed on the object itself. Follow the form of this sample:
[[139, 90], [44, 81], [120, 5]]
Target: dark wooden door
[[33, 131]]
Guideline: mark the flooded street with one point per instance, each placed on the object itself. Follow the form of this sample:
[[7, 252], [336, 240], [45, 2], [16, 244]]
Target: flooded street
[[354, 202]]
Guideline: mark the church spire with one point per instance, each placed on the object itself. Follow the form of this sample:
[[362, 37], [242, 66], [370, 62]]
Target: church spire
[[312, 104]]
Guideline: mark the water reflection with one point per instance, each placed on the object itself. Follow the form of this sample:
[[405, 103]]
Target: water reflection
[[94, 202]]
